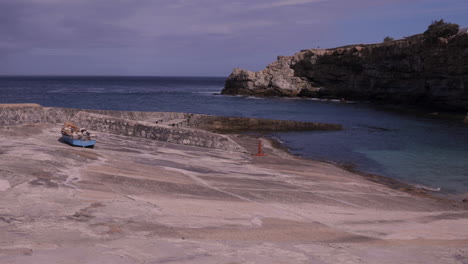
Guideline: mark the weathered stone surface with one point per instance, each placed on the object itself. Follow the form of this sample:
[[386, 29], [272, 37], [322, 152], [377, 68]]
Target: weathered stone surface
[[411, 71], [134, 200]]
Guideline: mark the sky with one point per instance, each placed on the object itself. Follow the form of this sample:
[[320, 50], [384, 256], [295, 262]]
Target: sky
[[195, 37]]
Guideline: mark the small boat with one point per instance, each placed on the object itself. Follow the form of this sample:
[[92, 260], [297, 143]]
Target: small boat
[[74, 136], [75, 141]]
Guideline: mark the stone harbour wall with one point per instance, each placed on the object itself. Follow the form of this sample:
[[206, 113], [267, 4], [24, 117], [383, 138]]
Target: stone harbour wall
[[119, 126], [20, 114], [61, 115], [224, 124], [180, 128]]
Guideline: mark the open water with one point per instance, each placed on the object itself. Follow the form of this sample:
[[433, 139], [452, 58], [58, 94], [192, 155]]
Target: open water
[[418, 149]]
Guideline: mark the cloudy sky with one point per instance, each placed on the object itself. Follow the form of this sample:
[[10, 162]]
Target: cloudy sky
[[195, 37]]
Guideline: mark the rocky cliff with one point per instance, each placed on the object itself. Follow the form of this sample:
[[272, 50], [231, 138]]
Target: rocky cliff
[[410, 71]]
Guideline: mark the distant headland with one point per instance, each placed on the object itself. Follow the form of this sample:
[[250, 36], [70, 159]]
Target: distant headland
[[426, 69]]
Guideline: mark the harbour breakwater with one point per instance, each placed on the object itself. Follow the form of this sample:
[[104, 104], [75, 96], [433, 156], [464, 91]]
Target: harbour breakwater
[[421, 70], [180, 128]]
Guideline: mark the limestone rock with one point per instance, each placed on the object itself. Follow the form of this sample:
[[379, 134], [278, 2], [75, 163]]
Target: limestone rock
[[277, 79], [411, 71]]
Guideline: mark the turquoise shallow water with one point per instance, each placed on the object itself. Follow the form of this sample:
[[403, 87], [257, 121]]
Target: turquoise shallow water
[[407, 165], [419, 149]]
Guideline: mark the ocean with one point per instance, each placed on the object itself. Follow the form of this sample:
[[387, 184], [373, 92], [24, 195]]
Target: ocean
[[414, 148]]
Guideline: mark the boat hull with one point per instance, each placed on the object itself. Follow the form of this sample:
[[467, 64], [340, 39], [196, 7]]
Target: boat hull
[[78, 142]]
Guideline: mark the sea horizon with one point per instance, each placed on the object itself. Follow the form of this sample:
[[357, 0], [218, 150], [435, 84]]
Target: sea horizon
[[123, 76]]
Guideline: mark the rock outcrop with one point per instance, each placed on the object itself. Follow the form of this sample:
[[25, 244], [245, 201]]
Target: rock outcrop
[[278, 79], [411, 71]]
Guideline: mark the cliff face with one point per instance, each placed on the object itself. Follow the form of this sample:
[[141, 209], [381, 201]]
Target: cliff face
[[412, 71]]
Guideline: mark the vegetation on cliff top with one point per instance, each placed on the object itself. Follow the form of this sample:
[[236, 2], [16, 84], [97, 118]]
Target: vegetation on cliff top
[[440, 29], [388, 39]]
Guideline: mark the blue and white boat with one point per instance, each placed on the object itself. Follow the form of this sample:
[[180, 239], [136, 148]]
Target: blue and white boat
[[74, 136], [80, 142]]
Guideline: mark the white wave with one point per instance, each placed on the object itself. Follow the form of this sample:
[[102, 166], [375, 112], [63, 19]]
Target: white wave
[[292, 98], [61, 90], [427, 188], [96, 90], [211, 92]]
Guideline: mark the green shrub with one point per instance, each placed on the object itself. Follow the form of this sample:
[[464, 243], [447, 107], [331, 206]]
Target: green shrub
[[440, 29], [388, 39]]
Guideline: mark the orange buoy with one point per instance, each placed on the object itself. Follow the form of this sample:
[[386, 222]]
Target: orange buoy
[[260, 149]]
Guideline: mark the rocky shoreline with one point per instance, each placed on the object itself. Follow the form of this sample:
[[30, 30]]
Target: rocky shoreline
[[413, 189], [134, 199], [412, 71]]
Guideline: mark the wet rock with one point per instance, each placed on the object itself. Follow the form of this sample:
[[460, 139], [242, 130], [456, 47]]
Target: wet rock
[[85, 214], [16, 251], [6, 219], [44, 182]]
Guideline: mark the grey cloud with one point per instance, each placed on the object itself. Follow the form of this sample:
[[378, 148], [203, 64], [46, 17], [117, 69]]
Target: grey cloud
[[138, 34], [54, 23]]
